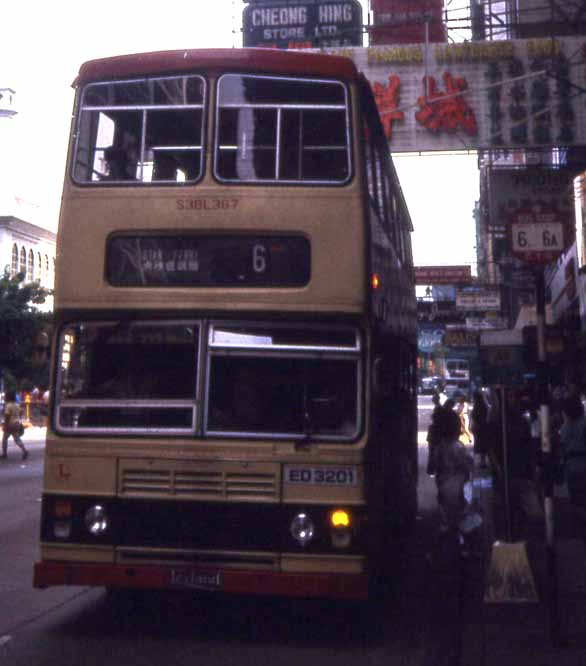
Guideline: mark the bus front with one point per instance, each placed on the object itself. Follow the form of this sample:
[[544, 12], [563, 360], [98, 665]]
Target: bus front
[[209, 425]]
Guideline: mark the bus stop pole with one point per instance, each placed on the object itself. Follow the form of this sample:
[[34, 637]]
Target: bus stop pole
[[545, 427]]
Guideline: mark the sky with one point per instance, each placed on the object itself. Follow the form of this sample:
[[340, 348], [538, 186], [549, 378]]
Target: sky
[[43, 45]]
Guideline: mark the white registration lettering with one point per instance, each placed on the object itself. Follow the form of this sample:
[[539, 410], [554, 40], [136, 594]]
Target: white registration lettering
[[321, 476]]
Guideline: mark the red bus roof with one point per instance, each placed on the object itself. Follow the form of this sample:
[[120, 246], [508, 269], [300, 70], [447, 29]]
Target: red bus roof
[[269, 61]]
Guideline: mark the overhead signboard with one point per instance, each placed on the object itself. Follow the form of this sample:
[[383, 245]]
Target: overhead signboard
[[461, 338], [304, 24], [407, 21], [448, 275], [478, 95], [535, 208], [478, 300], [429, 337], [485, 323]]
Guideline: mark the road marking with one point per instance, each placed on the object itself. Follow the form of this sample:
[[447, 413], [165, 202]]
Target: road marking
[[4, 639]]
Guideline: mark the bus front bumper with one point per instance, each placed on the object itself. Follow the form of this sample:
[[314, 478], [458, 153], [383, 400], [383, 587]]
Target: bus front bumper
[[229, 581]]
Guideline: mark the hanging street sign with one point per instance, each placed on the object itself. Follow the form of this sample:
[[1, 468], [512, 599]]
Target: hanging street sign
[[537, 235], [442, 275], [534, 207], [481, 300]]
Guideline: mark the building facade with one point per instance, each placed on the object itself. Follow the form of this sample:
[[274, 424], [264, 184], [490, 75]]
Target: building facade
[[29, 249]]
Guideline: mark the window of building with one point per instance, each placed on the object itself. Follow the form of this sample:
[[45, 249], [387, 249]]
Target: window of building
[[46, 269], [30, 268], [14, 266], [272, 129], [141, 131], [22, 267], [39, 269]]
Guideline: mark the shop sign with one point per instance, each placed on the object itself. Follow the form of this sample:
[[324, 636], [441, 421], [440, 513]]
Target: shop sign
[[478, 95], [484, 323], [429, 338], [404, 21], [447, 275], [461, 338], [478, 300], [304, 24]]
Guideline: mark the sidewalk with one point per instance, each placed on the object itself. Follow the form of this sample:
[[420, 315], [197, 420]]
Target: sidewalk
[[514, 633]]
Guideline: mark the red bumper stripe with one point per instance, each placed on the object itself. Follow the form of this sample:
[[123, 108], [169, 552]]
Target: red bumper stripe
[[231, 581]]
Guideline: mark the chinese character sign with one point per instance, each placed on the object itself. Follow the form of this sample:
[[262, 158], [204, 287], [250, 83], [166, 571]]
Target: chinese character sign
[[503, 94]]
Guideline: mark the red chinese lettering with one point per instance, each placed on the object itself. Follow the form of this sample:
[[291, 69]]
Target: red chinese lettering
[[387, 100], [446, 111]]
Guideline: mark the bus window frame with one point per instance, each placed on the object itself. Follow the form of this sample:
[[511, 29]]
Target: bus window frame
[[193, 404], [204, 351], [379, 173], [202, 148], [275, 182], [268, 350]]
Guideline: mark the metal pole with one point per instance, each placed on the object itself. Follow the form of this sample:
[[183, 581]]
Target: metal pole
[[426, 75], [545, 424], [506, 469]]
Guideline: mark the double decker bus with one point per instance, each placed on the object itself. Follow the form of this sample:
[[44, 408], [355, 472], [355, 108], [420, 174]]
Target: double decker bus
[[233, 392]]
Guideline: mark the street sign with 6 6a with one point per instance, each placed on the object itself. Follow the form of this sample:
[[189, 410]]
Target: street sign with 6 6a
[[537, 235]]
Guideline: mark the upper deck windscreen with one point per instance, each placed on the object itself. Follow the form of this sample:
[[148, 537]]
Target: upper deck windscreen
[[266, 129], [281, 129], [141, 131]]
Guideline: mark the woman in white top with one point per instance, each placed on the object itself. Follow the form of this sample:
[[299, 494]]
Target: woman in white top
[[12, 425]]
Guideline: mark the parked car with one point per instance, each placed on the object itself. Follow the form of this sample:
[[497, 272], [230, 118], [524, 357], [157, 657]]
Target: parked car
[[429, 385]]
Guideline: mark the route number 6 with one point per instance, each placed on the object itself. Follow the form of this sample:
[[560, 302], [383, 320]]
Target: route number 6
[[259, 258]]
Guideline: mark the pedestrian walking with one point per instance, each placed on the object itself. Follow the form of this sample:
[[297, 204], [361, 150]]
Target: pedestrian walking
[[12, 425], [453, 468], [573, 443], [433, 434], [461, 409]]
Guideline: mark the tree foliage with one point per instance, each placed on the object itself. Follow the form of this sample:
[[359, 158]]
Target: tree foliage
[[21, 324]]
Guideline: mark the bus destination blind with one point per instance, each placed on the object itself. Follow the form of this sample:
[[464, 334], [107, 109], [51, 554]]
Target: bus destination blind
[[207, 261]]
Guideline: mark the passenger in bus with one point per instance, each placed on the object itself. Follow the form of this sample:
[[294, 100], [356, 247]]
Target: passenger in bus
[[165, 167], [121, 159]]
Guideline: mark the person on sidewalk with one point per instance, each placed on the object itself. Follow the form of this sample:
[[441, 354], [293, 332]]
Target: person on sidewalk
[[461, 409], [573, 442], [480, 429], [433, 433], [12, 425], [453, 467]]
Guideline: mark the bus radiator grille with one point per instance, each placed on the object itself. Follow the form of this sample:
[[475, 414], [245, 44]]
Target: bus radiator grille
[[255, 482]]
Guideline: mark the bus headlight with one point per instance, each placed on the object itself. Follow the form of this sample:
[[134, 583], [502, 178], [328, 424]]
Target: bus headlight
[[96, 520], [302, 529]]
